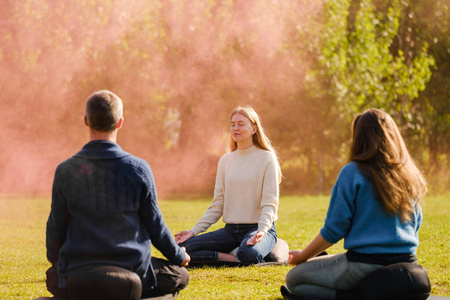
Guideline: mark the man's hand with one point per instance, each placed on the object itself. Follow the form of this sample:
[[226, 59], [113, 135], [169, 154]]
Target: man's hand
[[187, 259]]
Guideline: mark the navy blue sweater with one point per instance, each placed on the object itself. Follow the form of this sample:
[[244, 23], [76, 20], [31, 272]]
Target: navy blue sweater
[[105, 211], [355, 215]]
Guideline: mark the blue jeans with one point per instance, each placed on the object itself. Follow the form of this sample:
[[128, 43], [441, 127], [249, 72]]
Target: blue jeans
[[206, 247], [322, 276]]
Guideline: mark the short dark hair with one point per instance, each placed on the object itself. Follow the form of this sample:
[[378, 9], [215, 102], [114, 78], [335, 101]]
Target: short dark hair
[[104, 110]]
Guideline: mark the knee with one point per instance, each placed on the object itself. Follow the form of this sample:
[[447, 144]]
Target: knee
[[296, 276], [249, 255], [192, 245], [187, 245], [291, 279], [184, 279], [171, 279]]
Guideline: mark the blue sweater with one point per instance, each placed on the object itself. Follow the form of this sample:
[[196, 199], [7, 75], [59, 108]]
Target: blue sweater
[[105, 211], [355, 215]]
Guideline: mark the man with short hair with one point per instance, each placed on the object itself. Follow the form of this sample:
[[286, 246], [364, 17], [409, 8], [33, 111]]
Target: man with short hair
[[105, 211]]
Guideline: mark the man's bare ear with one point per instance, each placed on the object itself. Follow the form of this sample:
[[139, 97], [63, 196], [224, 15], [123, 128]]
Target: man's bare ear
[[86, 121], [120, 123]]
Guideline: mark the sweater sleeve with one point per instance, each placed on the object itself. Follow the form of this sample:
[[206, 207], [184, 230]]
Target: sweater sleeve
[[58, 220], [341, 209], [270, 196], [215, 210], [151, 216]]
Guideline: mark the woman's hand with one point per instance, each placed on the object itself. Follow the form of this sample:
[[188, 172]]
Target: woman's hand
[[318, 245], [183, 236], [296, 257], [256, 238]]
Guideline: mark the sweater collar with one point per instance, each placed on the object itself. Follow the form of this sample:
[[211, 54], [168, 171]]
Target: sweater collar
[[246, 151], [101, 150]]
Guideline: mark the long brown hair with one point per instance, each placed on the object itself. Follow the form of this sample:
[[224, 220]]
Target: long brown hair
[[382, 156], [259, 138]]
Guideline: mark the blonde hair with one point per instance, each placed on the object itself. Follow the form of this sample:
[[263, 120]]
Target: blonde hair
[[259, 137], [382, 156]]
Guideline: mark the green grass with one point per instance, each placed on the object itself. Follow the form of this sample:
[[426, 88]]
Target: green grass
[[23, 263]]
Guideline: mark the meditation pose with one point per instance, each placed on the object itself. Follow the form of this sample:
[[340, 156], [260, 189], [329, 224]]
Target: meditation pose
[[374, 207], [246, 195], [105, 212]]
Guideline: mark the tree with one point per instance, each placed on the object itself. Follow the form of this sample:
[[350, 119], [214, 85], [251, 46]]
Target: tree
[[428, 22], [357, 68]]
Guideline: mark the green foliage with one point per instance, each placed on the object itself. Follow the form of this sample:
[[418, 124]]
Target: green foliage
[[358, 59], [23, 263], [370, 54]]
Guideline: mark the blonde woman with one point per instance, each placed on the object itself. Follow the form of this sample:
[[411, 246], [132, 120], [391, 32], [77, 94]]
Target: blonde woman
[[246, 195], [374, 207]]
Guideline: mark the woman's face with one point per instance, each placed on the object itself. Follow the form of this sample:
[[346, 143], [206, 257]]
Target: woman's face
[[242, 131]]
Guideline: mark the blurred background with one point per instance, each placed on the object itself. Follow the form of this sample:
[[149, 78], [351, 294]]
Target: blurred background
[[306, 66]]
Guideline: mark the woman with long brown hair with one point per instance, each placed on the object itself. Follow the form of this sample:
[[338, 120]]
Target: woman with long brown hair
[[246, 195], [374, 207]]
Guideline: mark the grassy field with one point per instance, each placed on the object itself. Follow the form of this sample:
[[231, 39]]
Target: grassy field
[[23, 263]]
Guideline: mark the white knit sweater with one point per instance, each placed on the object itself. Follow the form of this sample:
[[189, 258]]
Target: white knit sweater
[[246, 190]]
